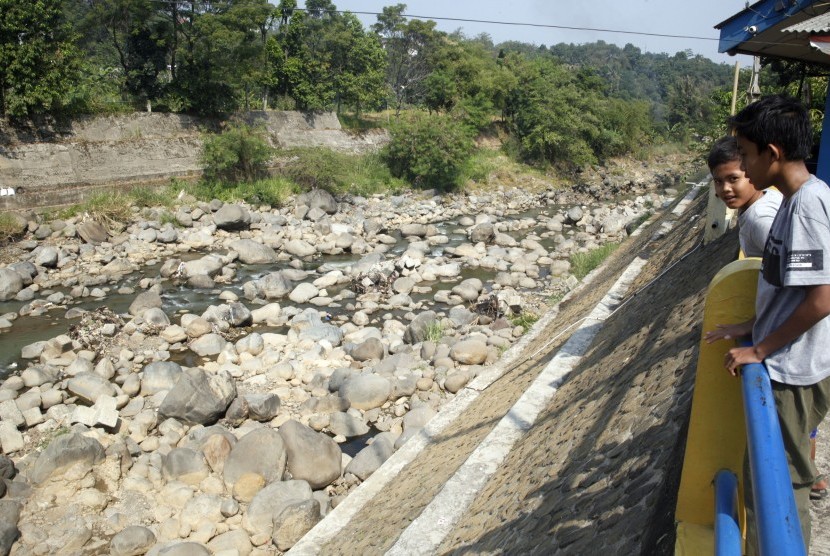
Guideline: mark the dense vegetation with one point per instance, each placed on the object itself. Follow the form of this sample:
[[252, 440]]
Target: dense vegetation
[[565, 105]]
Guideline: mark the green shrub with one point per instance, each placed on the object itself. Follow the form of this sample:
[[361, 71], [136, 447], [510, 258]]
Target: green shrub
[[525, 319], [10, 227], [583, 263], [429, 151], [239, 153], [435, 331], [323, 168], [112, 209]]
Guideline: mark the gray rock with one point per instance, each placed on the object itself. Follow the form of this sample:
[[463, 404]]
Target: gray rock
[[233, 542], [232, 217], [261, 451], [312, 456], [167, 235], [185, 465], [366, 391], [133, 540], [468, 289], [209, 344], [414, 229], [155, 317], [270, 502], [184, 549], [417, 330], [10, 284], [9, 516], [456, 381], [299, 248], [262, 407], [484, 232], [235, 314], [92, 232], [271, 286], [318, 198], [303, 293], [144, 301], [370, 458], [63, 452], [294, 521], [469, 352], [461, 316], [159, 376], [347, 425], [253, 252], [252, 343], [199, 398], [418, 417], [90, 386], [209, 265], [7, 470], [574, 215], [371, 349], [10, 438], [327, 332], [46, 256]]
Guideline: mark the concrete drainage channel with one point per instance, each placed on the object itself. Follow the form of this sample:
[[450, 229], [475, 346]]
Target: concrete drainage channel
[[425, 534]]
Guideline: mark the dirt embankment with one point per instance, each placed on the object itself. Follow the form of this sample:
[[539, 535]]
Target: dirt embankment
[[52, 165]]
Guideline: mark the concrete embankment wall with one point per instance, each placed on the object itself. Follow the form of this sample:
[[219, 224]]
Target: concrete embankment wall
[[63, 164]]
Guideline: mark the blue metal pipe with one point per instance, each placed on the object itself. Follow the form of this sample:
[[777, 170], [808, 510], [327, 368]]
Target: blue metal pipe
[[779, 530], [727, 531]]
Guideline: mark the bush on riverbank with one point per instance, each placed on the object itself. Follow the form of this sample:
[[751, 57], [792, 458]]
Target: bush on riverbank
[[239, 153], [319, 167]]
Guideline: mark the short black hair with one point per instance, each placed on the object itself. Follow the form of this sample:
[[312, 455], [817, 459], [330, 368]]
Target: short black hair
[[776, 120], [724, 150]]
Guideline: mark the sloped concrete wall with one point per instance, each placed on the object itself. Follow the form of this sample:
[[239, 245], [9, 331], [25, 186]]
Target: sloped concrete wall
[[53, 166]]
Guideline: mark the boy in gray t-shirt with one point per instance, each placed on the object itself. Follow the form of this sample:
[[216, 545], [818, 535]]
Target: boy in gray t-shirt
[[791, 331], [756, 209]]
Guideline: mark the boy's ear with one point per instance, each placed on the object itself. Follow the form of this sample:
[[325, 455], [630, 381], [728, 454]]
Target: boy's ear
[[776, 153]]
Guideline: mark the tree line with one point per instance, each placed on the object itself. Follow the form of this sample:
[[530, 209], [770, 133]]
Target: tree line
[[565, 104]]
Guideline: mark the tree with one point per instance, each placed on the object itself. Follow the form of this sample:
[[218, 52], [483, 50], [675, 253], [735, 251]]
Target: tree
[[38, 59], [357, 63]]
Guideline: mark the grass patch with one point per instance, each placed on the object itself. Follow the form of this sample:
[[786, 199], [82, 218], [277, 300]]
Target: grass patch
[[525, 319], [435, 331], [338, 173], [111, 208], [268, 191], [351, 122], [10, 227], [583, 263], [153, 196]]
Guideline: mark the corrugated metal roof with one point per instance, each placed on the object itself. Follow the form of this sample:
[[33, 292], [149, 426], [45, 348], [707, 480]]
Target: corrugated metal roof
[[818, 24]]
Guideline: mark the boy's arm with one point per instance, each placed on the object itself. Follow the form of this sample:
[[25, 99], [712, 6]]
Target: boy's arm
[[814, 307]]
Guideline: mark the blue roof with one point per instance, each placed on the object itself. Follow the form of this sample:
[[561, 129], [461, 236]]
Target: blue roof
[[758, 30]]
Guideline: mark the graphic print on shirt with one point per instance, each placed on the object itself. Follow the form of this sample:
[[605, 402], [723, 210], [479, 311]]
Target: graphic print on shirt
[[806, 260], [771, 263]]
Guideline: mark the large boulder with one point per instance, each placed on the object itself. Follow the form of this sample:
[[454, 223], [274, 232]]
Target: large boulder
[[89, 386], [209, 265], [271, 286], [143, 301], [370, 458], [366, 391], [294, 521], [66, 451], [92, 232], [253, 252], [312, 456], [368, 350], [484, 232], [300, 248], [318, 198], [10, 283], [469, 352], [9, 515], [133, 540], [232, 217], [185, 465], [199, 397], [418, 328], [159, 376], [270, 502], [261, 451]]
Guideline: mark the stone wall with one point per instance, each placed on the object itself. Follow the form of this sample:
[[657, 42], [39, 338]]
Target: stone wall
[[57, 165]]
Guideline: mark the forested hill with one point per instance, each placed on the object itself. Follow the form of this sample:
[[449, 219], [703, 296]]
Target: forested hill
[[568, 105]]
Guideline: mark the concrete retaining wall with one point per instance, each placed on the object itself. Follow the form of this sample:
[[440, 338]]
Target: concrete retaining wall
[[54, 166]]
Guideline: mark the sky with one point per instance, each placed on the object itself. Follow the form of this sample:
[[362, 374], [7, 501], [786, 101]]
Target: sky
[[695, 18]]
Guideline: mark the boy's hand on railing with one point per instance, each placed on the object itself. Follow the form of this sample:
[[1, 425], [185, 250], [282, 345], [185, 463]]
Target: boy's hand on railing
[[729, 331], [738, 356]]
